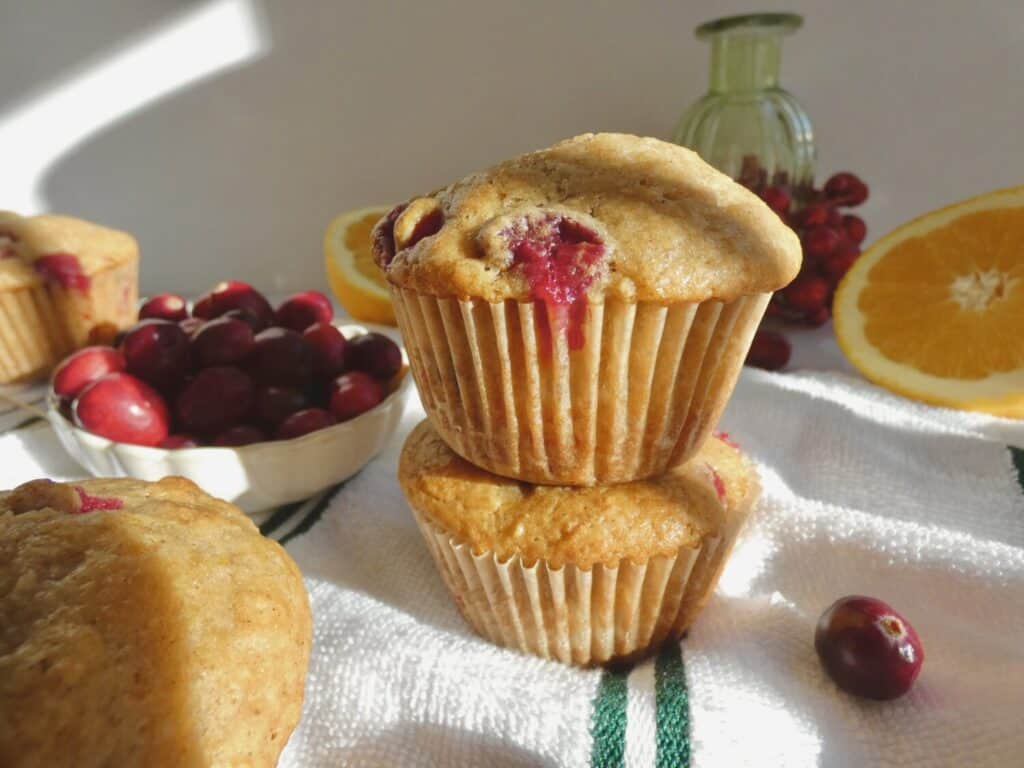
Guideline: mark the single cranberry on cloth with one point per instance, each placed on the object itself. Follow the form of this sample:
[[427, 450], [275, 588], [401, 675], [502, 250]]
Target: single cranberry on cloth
[[579, 315]]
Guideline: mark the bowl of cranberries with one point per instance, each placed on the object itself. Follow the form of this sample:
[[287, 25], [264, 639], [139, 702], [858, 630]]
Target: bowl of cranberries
[[258, 405]]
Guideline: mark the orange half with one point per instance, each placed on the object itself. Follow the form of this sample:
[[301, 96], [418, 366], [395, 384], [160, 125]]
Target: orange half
[[935, 309], [351, 272]]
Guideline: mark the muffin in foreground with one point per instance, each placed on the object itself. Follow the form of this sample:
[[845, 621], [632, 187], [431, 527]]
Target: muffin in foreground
[[64, 283], [581, 575], [579, 315], [144, 624]]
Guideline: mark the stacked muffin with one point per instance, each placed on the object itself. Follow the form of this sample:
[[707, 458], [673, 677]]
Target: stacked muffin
[[64, 283], [575, 321]]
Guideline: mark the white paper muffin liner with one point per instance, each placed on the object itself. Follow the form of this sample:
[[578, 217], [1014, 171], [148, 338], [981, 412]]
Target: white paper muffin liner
[[641, 396], [42, 323], [576, 616]]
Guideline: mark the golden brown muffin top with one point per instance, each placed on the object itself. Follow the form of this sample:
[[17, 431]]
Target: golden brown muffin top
[[619, 215], [144, 624], [28, 245], [582, 526]]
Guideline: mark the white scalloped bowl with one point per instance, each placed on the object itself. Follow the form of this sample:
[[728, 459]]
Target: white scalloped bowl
[[257, 476]]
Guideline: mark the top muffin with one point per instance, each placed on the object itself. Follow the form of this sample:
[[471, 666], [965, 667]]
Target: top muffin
[[34, 249], [595, 216]]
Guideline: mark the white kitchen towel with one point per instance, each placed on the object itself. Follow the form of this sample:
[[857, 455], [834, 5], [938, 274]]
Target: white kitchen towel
[[864, 492]]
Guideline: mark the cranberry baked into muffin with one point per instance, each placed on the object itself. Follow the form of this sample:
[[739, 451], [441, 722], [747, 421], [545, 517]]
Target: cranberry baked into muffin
[[144, 624], [579, 315], [581, 575], [64, 283]]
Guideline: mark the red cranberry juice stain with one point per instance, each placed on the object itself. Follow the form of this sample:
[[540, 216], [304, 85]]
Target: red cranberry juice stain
[[717, 481], [63, 269], [92, 503], [559, 259], [384, 236]]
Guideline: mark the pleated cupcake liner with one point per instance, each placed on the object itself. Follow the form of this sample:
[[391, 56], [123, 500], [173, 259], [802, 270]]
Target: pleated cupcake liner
[[641, 396], [41, 324], [579, 616]]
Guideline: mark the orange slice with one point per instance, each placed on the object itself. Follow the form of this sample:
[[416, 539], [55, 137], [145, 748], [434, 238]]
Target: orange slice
[[351, 272], [935, 309]]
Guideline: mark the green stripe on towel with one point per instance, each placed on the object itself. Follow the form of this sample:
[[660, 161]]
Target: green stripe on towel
[[673, 709], [608, 722]]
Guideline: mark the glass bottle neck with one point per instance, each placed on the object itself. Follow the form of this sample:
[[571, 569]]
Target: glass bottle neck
[[745, 61]]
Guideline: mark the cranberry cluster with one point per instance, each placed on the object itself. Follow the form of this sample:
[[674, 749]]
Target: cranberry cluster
[[234, 371], [831, 239]]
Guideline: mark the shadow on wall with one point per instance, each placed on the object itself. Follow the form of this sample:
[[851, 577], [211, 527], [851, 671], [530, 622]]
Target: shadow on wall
[[350, 105]]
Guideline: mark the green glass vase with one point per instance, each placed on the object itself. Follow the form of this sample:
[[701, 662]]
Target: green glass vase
[[746, 125]]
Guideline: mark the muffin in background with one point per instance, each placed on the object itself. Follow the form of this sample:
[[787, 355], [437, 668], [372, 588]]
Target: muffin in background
[[64, 283], [581, 575], [144, 624], [579, 315]]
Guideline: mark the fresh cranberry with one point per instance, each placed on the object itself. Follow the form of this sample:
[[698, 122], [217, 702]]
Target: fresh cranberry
[[63, 269], [355, 393], [384, 236], [234, 294], [280, 356], [818, 317], [821, 241], [243, 434], [157, 351], [837, 263], [248, 318], [855, 228], [813, 215], [330, 349], [777, 199], [807, 293], [302, 310], [769, 350], [164, 306], [274, 404], [304, 422], [83, 368], [868, 648], [375, 354], [222, 341], [559, 258], [177, 441], [216, 399], [846, 189], [124, 409], [91, 503]]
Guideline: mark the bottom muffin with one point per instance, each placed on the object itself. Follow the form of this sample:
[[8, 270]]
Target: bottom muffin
[[582, 575]]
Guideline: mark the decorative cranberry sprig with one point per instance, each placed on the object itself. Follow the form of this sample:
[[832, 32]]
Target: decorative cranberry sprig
[[831, 239]]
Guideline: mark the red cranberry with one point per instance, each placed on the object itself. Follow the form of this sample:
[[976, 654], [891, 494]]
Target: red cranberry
[[769, 350], [820, 241], [173, 442], [807, 293], [837, 263], [122, 408], [300, 311], [846, 189], [280, 356], [330, 349], [191, 324], [814, 215], [867, 648], [304, 422], [777, 199], [63, 269], [275, 404], [83, 368], [355, 393], [247, 318], [375, 354], [243, 434], [222, 341], [157, 351], [234, 294], [855, 228], [216, 399], [384, 236], [89, 503], [818, 317], [164, 306]]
